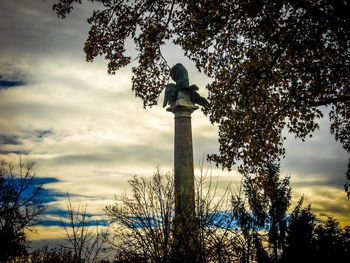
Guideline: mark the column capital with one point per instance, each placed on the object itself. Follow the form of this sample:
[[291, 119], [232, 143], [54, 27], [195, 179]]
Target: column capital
[[182, 108]]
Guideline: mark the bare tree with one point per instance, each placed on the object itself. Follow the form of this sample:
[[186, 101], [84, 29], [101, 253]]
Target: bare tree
[[87, 241], [144, 222], [215, 219], [20, 207]]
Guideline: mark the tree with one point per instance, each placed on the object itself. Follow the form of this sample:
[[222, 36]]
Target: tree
[[251, 225], [144, 223], [87, 242], [299, 244], [312, 240], [217, 230], [51, 255], [263, 212], [20, 206], [273, 64], [332, 242]]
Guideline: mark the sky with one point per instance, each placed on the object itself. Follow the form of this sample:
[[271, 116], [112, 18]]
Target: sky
[[89, 134]]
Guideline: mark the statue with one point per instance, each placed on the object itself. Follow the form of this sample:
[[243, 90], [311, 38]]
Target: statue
[[173, 92]]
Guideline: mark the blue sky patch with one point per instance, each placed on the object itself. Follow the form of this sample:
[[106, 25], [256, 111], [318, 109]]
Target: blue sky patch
[[65, 213], [59, 223], [45, 195], [6, 84], [49, 195]]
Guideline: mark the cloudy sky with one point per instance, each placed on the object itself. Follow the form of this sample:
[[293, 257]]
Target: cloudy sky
[[89, 134]]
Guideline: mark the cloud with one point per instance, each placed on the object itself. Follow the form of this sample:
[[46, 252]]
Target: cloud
[[11, 74], [9, 139], [19, 152], [137, 154], [22, 143], [65, 213], [40, 134], [61, 217], [326, 201], [320, 161], [38, 29]]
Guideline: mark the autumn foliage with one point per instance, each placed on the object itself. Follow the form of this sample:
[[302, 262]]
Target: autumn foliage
[[273, 64]]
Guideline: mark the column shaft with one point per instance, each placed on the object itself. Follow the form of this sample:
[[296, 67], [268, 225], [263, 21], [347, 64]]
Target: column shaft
[[186, 229], [184, 175]]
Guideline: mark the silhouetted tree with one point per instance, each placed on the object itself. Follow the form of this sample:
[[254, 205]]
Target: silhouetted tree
[[299, 244], [309, 241], [332, 242], [273, 64], [52, 255], [248, 241], [269, 197], [20, 206], [346, 241], [269, 234], [261, 254]]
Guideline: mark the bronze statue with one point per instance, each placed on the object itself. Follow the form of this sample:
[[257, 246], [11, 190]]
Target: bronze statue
[[176, 91]]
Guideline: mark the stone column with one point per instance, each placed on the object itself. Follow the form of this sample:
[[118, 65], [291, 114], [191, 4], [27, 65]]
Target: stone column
[[185, 217]]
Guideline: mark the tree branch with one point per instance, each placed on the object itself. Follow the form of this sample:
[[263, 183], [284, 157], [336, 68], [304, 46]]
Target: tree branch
[[329, 101]]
